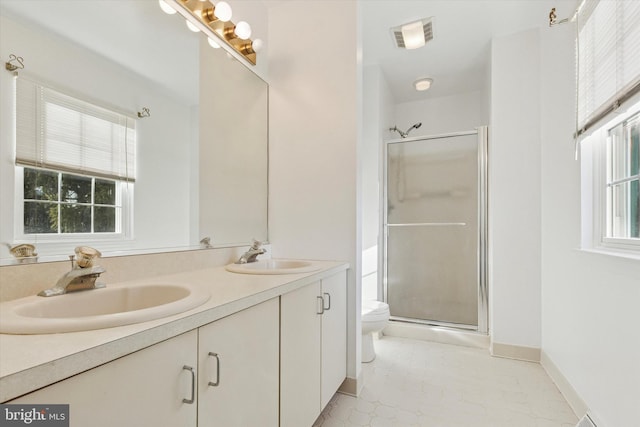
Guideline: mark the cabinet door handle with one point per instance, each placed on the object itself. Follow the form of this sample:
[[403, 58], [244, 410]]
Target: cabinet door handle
[[217, 382], [328, 307], [193, 385], [321, 301]]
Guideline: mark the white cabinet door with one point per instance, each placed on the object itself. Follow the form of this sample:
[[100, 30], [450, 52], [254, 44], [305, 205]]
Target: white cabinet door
[[334, 335], [239, 369], [145, 388], [300, 352]]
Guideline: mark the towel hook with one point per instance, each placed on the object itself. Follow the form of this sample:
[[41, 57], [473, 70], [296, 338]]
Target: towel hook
[[14, 63], [144, 113]]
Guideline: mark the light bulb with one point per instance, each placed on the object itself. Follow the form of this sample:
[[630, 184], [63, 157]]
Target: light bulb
[[222, 11], [243, 30], [213, 43], [192, 27], [257, 45], [166, 8]]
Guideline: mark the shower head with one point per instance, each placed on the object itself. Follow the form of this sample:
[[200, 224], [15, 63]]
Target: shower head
[[406, 133]]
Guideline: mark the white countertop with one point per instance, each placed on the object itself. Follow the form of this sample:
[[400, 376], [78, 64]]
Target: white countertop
[[30, 362]]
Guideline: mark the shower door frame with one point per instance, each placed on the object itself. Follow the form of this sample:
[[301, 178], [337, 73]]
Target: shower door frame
[[482, 133]]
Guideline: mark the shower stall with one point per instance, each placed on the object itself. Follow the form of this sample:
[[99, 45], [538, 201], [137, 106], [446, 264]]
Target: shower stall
[[434, 232]]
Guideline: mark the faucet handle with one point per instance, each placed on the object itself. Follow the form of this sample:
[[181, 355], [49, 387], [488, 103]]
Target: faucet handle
[[256, 244]]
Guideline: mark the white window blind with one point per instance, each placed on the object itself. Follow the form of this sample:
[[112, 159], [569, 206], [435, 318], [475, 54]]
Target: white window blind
[[608, 49], [57, 131]]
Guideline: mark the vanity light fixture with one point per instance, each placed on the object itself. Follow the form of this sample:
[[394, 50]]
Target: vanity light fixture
[[243, 30], [221, 11], [166, 8], [423, 84], [414, 34], [214, 19], [191, 26], [252, 47], [214, 44]]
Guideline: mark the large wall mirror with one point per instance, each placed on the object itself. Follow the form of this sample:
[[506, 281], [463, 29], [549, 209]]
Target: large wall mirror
[[201, 145]]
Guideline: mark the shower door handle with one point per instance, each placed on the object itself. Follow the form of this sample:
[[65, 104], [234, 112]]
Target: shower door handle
[[427, 224]]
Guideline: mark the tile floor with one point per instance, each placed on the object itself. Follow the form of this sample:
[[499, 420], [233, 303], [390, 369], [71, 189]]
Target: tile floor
[[427, 384]]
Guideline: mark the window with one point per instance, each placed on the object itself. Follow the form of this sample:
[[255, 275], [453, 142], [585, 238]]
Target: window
[[75, 165], [622, 207], [608, 122], [611, 185], [63, 203]]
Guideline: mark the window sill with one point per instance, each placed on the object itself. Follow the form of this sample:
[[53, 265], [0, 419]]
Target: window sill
[[617, 253]]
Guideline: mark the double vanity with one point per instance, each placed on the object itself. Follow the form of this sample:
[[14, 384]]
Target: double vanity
[[260, 344]]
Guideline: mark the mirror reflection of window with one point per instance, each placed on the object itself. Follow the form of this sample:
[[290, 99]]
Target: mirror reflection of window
[[75, 159]]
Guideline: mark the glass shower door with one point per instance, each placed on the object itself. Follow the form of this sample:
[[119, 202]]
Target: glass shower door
[[433, 230]]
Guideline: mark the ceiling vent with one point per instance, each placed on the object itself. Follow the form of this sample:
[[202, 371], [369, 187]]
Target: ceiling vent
[[414, 34]]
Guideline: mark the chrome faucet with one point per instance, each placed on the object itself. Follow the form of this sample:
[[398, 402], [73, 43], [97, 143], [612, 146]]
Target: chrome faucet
[[252, 253], [78, 279]]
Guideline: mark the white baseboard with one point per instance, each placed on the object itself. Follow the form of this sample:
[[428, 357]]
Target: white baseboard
[[352, 386], [437, 334], [576, 403], [508, 351]]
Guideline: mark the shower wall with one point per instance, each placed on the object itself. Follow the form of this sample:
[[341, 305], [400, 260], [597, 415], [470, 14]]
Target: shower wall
[[464, 111], [378, 109]]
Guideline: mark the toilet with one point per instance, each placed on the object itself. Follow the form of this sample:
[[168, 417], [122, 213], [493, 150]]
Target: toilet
[[375, 316]]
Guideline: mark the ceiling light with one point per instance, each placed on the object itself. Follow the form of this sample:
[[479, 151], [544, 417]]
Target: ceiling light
[[422, 84], [414, 34]]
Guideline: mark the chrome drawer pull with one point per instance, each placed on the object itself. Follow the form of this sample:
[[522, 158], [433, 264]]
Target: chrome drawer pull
[[193, 385], [217, 382], [328, 307], [321, 300]]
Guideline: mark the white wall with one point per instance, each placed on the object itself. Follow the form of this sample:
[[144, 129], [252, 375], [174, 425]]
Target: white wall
[[590, 313], [161, 193], [455, 113], [514, 191], [313, 135], [378, 109]]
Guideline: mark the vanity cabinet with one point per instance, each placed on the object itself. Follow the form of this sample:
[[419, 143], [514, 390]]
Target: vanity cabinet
[[273, 364], [225, 373], [313, 353], [146, 388], [239, 368]]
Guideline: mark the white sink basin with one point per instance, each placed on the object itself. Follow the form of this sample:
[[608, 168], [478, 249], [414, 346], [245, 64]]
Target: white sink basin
[[274, 266], [97, 308]]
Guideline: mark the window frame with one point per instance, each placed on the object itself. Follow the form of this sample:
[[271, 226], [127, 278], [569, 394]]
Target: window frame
[[51, 239], [600, 205]]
